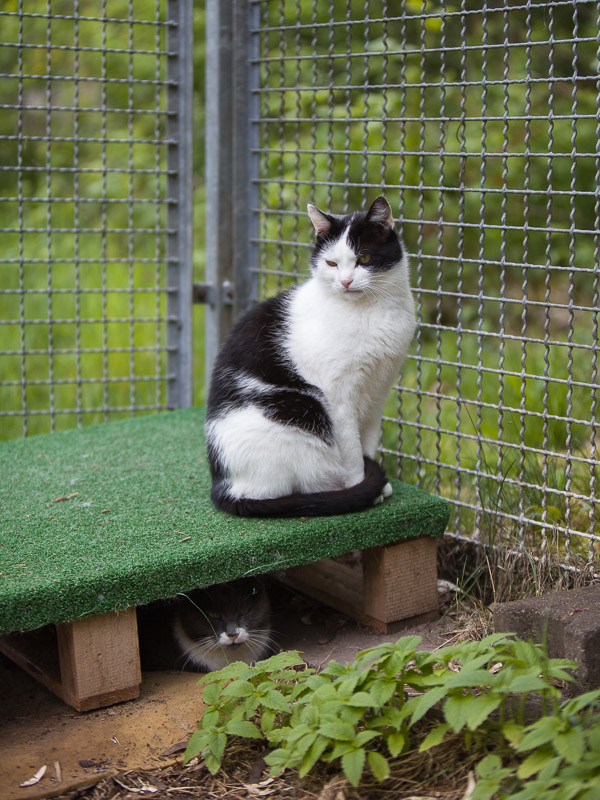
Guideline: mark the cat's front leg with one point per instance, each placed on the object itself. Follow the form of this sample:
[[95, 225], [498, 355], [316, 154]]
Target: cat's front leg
[[370, 434], [349, 446]]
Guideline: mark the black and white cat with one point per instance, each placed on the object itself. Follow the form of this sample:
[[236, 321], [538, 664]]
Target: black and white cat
[[206, 629], [298, 389]]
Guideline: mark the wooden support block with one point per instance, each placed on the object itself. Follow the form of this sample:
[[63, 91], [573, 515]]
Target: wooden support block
[[400, 580], [397, 582], [89, 663], [99, 659]]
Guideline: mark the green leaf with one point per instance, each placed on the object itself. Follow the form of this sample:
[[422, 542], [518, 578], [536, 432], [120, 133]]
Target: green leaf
[[381, 691], [570, 744], [534, 763], [216, 744], [238, 689], [378, 765], [279, 661], [338, 731], [489, 766], [272, 699], [312, 756], [212, 694], [267, 720], [195, 745], [353, 764], [523, 684], [240, 727], [397, 743], [210, 718], [540, 732], [434, 737], [467, 678], [277, 760], [420, 705], [365, 736], [456, 711], [360, 699], [480, 708], [213, 763], [347, 684], [582, 701], [513, 733], [236, 669]]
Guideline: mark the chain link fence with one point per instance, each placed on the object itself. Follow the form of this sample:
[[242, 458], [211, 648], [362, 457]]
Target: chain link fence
[[481, 124], [95, 223]]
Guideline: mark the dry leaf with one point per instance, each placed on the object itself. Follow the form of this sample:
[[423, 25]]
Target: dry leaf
[[175, 748], [470, 786], [260, 789], [36, 778]]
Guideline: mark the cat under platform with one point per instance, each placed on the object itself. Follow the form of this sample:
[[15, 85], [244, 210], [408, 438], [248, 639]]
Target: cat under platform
[[97, 521]]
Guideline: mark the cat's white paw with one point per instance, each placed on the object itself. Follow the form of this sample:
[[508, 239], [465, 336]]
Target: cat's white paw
[[385, 492]]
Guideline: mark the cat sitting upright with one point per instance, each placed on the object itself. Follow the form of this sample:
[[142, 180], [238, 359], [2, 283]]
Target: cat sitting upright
[[298, 389]]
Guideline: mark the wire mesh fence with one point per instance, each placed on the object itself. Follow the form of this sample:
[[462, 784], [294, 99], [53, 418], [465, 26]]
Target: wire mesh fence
[[480, 123], [90, 192]]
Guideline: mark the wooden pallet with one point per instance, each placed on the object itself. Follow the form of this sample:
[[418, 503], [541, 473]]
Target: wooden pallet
[[89, 663], [395, 583], [94, 661]]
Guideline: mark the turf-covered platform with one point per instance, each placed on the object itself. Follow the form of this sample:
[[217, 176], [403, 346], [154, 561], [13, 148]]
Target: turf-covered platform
[[109, 517]]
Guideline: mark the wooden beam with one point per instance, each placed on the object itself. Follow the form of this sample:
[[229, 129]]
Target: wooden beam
[[89, 663], [400, 580], [99, 659], [397, 583]]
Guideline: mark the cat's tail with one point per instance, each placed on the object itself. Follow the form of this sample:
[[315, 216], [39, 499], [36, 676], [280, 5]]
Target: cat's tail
[[314, 504]]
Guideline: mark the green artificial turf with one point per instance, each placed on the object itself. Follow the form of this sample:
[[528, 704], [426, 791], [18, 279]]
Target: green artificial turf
[[137, 523]]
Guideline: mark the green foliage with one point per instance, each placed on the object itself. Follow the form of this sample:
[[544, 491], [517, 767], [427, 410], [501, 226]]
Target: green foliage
[[371, 710], [558, 757]]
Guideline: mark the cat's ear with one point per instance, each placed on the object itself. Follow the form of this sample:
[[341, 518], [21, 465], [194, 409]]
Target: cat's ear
[[381, 213], [321, 221]]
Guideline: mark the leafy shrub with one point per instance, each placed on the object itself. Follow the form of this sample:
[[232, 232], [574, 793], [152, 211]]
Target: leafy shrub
[[367, 711]]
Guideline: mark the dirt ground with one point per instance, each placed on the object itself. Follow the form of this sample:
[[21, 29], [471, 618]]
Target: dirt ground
[[78, 749]]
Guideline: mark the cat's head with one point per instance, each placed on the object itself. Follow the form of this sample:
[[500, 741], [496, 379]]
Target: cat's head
[[353, 253], [231, 618]]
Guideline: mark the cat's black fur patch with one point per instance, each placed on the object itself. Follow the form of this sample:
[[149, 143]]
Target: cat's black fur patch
[[253, 349], [379, 242]]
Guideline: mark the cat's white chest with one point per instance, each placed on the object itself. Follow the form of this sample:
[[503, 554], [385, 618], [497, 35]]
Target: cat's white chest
[[348, 349]]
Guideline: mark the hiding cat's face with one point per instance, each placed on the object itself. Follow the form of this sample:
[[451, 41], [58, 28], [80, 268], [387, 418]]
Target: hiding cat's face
[[227, 622], [354, 253]]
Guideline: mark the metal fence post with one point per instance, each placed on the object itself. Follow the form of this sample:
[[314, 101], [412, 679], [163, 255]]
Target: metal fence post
[[179, 246], [231, 205]]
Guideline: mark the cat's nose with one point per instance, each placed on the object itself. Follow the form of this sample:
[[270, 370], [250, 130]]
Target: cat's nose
[[346, 282]]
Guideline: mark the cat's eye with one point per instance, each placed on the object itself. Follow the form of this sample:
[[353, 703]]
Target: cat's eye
[[244, 610], [331, 263], [363, 259]]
